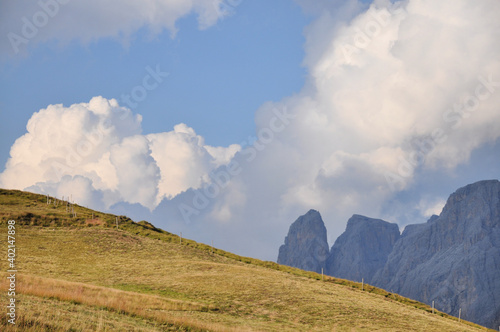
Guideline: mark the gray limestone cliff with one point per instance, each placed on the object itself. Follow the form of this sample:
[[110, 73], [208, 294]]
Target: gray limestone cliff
[[306, 245], [453, 259], [362, 249]]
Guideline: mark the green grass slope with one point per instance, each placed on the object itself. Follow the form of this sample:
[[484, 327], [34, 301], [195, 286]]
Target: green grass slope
[[78, 271]]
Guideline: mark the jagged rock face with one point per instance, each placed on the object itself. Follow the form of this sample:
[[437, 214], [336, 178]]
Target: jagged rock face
[[454, 259], [362, 249], [306, 245]]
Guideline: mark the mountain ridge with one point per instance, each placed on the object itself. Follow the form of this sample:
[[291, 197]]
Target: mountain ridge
[[452, 259]]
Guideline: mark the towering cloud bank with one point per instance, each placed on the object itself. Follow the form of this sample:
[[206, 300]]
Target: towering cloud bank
[[399, 91], [405, 86]]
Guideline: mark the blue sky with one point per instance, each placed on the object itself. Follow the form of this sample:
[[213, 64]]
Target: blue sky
[[262, 110], [218, 77]]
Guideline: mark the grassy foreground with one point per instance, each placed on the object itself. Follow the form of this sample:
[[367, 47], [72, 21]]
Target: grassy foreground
[[80, 273]]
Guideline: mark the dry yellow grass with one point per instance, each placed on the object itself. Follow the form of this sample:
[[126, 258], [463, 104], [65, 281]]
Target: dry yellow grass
[[248, 296], [49, 314], [118, 300], [152, 307]]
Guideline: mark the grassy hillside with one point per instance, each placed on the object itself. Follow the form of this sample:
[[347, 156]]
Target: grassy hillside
[[82, 273]]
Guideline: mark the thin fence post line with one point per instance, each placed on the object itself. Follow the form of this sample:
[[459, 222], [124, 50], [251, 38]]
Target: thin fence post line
[[322, 279], [459, 314], [432, 306], [180, 238], [362, 284], [116, 219]]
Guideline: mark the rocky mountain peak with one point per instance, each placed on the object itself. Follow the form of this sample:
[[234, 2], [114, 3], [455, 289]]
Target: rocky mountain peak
[[362, 249], [453, 259], [306, 245]]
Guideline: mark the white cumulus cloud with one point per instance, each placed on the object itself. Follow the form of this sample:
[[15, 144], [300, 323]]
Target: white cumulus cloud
[[97, 148]]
